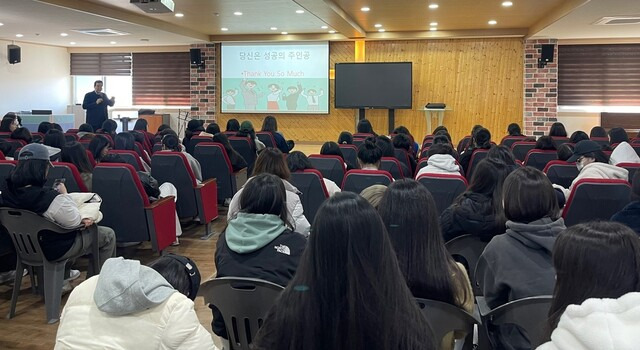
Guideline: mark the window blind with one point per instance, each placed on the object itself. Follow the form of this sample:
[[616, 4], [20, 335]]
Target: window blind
[[101, 64], [161, 79], [599, 75]]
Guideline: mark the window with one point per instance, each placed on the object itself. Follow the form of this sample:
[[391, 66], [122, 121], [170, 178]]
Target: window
[[161, 79]]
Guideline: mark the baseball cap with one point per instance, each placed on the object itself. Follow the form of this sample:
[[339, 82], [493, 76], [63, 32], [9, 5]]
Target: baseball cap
[[583, 147], [37, 151]]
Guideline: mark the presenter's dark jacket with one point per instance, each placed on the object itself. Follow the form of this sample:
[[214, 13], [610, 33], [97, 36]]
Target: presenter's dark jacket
[[96, 113]]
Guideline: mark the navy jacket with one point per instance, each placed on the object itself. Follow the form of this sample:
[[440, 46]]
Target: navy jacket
[[630, 216], [96, 113]]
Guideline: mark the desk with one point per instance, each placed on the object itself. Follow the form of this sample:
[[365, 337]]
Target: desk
[[32, 121], [429, 114]]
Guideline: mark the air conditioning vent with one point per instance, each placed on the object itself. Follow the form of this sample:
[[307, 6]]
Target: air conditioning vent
[[101, 32], [617, 20]]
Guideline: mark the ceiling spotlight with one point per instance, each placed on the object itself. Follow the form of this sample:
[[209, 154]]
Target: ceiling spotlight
[[433, 29], [324, 27], [179, 14], [72, 43], [224, 29], [1, 24], [284, 33], [19, 35], [332, 32], [299, 11], [112, 42], [365, 9], [64, 34], [381, 30], [492, 22], [433, 6], [378, 25], [238, 13], [274, 28], [507, 4]]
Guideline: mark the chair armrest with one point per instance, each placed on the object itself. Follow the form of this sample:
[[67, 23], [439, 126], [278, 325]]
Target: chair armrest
[[207, 200], [161, 222], [206, 183], [160, 202], [483, 307], [240, 177]]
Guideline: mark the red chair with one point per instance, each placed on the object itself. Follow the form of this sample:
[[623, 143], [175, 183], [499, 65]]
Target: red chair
[[444, 188], [477, 155], [194, 200], [72, 131], [91, 159], [230, 133], [6, 166], [464, 143], [631, 167], [196, 140], [559, 141], [404, 158], [266, 138], [636, 147], [215, 164], [521, 148], [331, 167], [358, 180], [602, 141], [5, 135], [561, 173], [139, 220], [510, 140], [394, 167], [156, 147], [538, 158], [73, 181], [130, 157], [38, 137], [310, 182], [595, 199], [362, 135], [140, 150], [2, 156], [350, 153]]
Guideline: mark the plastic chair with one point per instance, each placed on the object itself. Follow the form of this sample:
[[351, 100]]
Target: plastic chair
[[24, 228], [561, 173], [69, 172], [358, 180], [331, 167], [266, 138], [215, 164], [242, 145], [593, 199], [631, 168], [444, 188], [538, 158], [467, 249], [510, 140], [243, 303], [314, 192], [394, 167], [445, 318], [350, 153], [476, 157], [521, 148]]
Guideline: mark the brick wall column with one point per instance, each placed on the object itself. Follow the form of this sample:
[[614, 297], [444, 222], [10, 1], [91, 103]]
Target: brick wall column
[[540, 88], [203, 85]]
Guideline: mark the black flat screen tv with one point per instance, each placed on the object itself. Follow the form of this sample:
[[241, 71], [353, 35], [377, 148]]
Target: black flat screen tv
[[385, 85]]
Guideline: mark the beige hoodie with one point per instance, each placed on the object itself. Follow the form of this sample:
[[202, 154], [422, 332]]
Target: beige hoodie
[[597, 170]]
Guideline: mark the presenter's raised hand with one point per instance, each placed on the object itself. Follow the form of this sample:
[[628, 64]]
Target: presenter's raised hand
[[99, 100], [113, 99]]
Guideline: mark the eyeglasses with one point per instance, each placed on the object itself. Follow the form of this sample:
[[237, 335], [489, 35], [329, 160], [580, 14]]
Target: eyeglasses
[[579, 159]]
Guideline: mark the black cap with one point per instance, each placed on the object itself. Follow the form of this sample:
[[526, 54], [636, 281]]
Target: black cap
[[583, 147]]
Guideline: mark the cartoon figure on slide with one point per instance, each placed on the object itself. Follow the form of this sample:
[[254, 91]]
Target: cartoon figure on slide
[[313, 98], [273, 97], [292, 97], [249, 94], [229, 98]]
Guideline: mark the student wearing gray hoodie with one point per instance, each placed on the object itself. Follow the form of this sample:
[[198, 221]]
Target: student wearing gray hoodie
[[132, 306]]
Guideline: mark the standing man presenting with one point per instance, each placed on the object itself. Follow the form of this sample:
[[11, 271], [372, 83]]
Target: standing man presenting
[[96, 103]]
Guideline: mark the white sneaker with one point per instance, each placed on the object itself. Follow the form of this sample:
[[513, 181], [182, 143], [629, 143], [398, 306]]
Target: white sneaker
[[66, 287], [73, 274]]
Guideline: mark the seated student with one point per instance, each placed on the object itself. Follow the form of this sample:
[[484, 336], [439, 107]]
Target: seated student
[[44, 127], [478, 211], [141, 138], [373, 194], [246, 130], [630, 215], [514, 130], [545, 143], [25, 189], [271, 161], [99, 148], [237, 162], [55, 138], [481, 139], [466, 143], [518, 263], [109, 127], [233, 125], [84, 130], [212, 129], [624, 153], [171, 143], [565, 151], [503, 154], [442, 137], [592, 164], [331, 148], [345, 138], [163, 127], [403, 130], [598, 131], [440, 128], [56, 126], [125, 141], [411, 217], [22, 134], [194, 128], [441, 161], [298, 161], [132, 306], [557, 130], [369, 155], [578, 136], [142, 125], [75, 154], [10, 122], [403, 141], [364, 127], [596, 304], [270, 124], [348, 292], [385, 145], [259, 242], [618, 135]]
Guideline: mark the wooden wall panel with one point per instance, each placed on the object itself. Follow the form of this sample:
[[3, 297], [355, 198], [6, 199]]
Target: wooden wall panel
[[481, 80]]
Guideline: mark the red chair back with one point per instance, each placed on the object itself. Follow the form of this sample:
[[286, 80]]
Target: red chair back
[[69, 172], [538, 158], [561, 173], [593, 199], [357, 180], [331, 167], [521, 148], [310, 182], [444, 188]]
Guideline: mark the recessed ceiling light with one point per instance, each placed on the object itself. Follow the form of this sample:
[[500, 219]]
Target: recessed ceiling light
[[178, 14], [381, 30], [507, 4], [1, 24], [433, 24], [299, 11], [284, 33], [433, 6], [113, 43], [274, 28], [324, 27], [64, 34], [224, 29], [378, 25], [365, 9], [238, 13], [332, 32], [492, 22], [433, 29], [19, 35], [72, 43]]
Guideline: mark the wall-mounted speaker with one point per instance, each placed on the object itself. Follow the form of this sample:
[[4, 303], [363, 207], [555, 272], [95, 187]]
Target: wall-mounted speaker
[[546, 54], [13, 53], [196, 58]]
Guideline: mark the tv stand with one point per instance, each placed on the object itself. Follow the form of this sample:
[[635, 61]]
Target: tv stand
[[392, 118]]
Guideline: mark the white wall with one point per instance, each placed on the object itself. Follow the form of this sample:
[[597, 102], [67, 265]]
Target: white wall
[[40, 81], [574, 121]]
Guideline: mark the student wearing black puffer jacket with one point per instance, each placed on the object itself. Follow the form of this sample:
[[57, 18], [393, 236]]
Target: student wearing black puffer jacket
[[478, 211]]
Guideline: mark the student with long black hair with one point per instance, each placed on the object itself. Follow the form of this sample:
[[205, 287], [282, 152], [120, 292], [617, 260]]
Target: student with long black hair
[[596, 304], [481, 139], [237, 162], [478, 211], [99, 148], [348, 291], [411, 217], [331, 148], [557, 129], [194, 127], [345, 138], [10, 122], [270, 125], [233, 125], [75, 154], [125, 141], [364, 127], [514, 129], [298, 161]]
